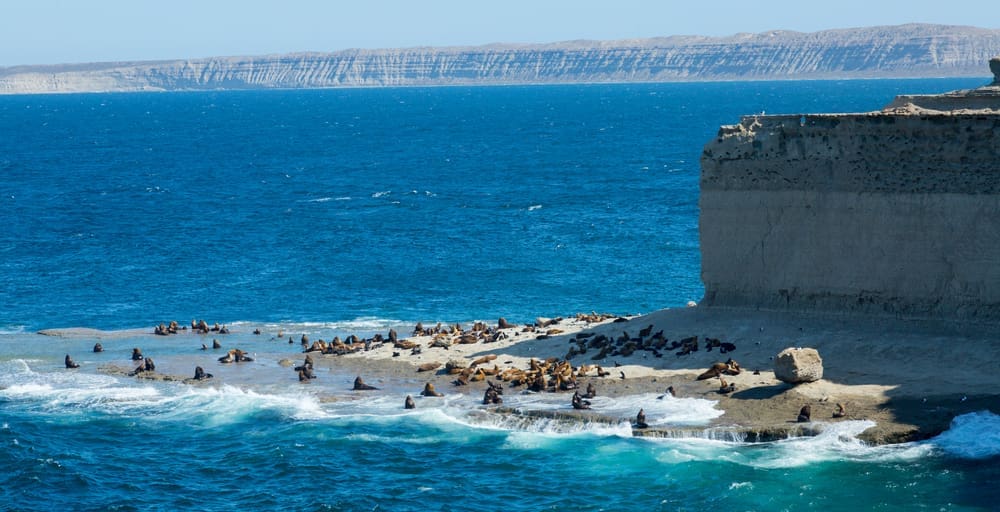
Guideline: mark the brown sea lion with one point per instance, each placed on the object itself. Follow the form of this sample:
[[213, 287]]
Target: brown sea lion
[[303, 377], [591, 391], [98, 347], [714, 371], [359, 385], [149, 365], [640, 419], [70, 363], [670, 391], [427, 367], [579, 403], [804, 414], [840, 412], [409, 403], [136, 354], [724, 387], [430, 391]]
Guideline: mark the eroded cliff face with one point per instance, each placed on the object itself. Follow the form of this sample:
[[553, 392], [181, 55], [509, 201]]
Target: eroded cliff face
[[893, 212], [907, 50]]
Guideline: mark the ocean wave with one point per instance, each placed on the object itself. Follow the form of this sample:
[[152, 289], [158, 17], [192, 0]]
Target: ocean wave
[[971, 436], [659, 412]]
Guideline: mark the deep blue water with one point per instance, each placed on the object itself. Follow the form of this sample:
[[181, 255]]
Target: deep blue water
[[369, 208]]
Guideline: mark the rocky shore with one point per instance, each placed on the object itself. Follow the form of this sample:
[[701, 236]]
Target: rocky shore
[[891, 371]]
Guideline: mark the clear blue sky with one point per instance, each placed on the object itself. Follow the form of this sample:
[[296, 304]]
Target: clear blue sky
[[62, 31]]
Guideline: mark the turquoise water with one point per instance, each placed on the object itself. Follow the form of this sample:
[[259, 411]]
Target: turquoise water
[[353, 211]]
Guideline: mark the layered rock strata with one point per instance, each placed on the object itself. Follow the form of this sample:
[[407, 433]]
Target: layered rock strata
[[898, 51], [892, 212]]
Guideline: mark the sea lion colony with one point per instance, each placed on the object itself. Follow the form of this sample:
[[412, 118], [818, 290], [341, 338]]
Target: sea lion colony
[[553, 374]]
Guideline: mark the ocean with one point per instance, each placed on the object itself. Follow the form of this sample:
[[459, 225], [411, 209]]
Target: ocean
[[353, 211]]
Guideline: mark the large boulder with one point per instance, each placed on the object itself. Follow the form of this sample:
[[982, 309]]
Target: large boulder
[[796, 365]]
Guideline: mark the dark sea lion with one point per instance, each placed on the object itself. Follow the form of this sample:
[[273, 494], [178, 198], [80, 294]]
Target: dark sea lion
[[136, 354], [646, 332], [199, 374], [216, 344], [591, 391], [579, 403], [70, 363], [204, 347], [257, 331], [303, 377], [393, 336], [359, 385], [430, 391], [409, 403], [149, 365], [640, 419], [804, 414], [670, 391], [98, 347]]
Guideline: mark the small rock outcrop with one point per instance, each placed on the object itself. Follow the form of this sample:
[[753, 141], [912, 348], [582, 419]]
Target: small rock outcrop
[[798, 365]]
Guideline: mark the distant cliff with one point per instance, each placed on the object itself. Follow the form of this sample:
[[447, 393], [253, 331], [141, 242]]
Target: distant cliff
[[892, 212], [896, 51]]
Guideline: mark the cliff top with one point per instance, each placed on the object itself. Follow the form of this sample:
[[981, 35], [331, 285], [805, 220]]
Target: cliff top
[[982, 100]]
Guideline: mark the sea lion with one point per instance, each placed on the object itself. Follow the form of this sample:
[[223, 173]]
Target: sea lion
[[724, 387], [359, 385], [804, 413], [840, 412], [579, 403], [199, 374], [427, 367], [98, 347], [591, 391], [640, 419], [303, 377], [409, 403], [430, 391], [714, 371], [204, 347], [216, 344], [149, 365], [393, 336], [257, 331], [70, 363], [136, 354], [646, 332], [670, 391], [502, 323]]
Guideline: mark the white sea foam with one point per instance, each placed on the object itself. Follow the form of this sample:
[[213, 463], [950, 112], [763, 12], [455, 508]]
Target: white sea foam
[[971, 436], [837, 441], [229, 404], [534, 207], [659, 412], [382, 193]]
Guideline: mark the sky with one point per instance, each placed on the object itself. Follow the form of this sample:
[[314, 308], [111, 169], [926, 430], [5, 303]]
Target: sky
[[71, 31]]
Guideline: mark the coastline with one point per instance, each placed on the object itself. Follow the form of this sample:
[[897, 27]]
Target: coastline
[[888, 371]]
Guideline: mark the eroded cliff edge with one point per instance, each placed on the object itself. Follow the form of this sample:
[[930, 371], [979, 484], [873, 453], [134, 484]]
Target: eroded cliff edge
[[892, 212]]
